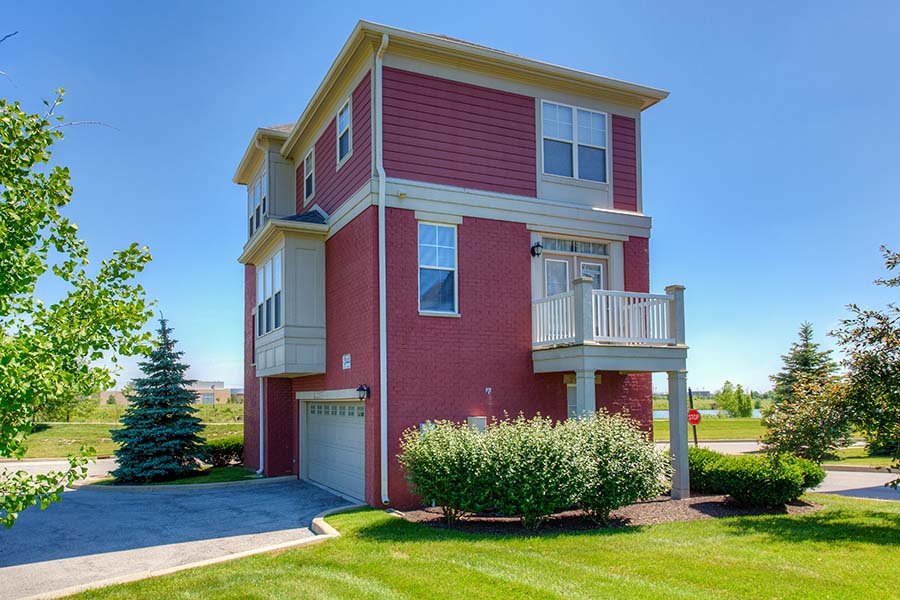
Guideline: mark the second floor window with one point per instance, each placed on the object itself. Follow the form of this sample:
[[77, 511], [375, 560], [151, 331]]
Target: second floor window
[[437, 268], [268, 295], [257, 202], [574, 142], [309, 165], [344, 143]]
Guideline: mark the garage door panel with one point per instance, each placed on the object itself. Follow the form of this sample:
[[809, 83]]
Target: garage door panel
[[335, 446]]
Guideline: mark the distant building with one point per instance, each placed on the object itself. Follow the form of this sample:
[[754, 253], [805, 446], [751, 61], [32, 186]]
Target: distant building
[[701, 393], [208, 392]]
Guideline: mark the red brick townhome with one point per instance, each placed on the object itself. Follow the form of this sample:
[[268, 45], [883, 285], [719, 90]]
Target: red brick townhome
[[461, 231]]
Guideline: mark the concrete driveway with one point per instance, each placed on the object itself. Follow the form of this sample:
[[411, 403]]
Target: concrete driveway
[[94, 536]]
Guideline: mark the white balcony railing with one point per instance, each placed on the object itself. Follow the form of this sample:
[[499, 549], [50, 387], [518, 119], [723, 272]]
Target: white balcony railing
[[552, 319], [588, 315]]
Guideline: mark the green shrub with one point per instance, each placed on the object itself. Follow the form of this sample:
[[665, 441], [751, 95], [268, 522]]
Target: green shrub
[[225, 451], [754, 480], [531, 468], [705, 472], [615, 464]]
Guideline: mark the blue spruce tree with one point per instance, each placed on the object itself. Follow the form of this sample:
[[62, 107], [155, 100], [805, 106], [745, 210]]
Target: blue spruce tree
[[160, 439]]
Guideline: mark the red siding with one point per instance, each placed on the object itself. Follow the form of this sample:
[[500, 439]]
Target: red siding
[[251, 383], [351, 315], [454, 133], [624, 163], [332, 186], [439, 367]]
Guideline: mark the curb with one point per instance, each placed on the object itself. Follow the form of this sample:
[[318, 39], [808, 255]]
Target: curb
[[317, 538], [858, 468], [93, 487], [31, 461]]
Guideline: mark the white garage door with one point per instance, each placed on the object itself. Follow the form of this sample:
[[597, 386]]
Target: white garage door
[[336, 446]]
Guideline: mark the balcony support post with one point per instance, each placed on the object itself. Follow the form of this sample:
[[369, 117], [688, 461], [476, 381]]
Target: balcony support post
[[678, 434], [584, 319], [676, 313], [585, 393]]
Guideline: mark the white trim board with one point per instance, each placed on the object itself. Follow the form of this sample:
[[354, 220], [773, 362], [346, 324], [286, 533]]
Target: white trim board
[[343, 395]]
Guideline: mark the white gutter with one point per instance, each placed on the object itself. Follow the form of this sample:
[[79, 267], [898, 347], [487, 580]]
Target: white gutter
[[382, 268], [262, 437]]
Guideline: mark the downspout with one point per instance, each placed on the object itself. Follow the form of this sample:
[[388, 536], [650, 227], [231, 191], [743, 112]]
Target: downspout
[[262, 433], [382, 272]]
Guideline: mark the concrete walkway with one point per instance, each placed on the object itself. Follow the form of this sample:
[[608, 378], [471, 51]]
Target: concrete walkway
[[93, 536]]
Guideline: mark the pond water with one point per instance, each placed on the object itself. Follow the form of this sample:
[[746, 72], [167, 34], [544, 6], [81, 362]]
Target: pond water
[[664, 414]]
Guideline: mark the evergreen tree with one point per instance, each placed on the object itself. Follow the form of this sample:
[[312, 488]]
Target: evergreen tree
[[161, 438], [804, 361]]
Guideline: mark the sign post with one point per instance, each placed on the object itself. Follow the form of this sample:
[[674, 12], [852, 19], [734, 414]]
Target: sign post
[[693, 416]]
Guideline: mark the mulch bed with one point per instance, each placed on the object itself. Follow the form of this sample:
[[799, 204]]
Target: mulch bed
[[659, 510]]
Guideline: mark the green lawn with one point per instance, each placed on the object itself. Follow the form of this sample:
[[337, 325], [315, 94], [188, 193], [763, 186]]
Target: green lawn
[[207, 475], [55, 441], [712, 428], [859, 456], [847, 550]]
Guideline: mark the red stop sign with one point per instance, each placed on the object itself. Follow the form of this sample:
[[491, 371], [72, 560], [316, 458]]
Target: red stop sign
[[694, 416]]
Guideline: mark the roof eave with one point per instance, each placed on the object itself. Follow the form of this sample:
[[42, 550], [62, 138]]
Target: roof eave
[[243, 172]]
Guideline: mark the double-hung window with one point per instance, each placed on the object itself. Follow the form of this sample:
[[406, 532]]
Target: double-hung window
[[268, 295], [257, 202], [309, 167], [575, 142], [437, 268], [344, 141]]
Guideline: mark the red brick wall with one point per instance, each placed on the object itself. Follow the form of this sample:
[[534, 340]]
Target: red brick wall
[[439, 367], [251, 383], [332, 186], [351, 317], [637, 264], [632, 393], [281, 427], [454, 133], [624, 163]]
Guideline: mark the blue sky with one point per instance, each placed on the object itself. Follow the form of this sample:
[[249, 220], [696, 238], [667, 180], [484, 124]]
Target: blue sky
[[771, 172]]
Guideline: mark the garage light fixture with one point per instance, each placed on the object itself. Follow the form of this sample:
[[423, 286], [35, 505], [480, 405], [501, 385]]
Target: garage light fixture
[[363, 391]]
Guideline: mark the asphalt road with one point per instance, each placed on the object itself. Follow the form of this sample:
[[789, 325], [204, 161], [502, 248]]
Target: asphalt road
[[96, 535]]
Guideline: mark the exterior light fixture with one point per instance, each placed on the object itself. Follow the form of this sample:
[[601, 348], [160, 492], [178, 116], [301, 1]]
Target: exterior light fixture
[[363, 391], [537, 249]]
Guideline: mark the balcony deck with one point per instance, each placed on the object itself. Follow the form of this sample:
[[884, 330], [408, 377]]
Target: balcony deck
[[600, 330]]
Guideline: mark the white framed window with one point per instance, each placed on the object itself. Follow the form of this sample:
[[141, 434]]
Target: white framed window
[[344, 133], [269, 305], [257, 201], [551, 244], [437, 269], [596, 271], [556, 276], [309, 168], [574, 142]]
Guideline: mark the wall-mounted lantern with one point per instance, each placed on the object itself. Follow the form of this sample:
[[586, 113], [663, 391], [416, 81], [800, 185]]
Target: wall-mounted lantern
[[537, 249], [363, 391]]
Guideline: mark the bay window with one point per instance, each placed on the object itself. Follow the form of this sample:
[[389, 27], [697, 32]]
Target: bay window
[[268, 295], [437, 268], [257, 202], [574, 142]]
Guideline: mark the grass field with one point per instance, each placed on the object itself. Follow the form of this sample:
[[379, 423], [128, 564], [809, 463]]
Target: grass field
[[714, 429], [846, 550], [210, 413], [207, 475], [859, 456], [56, 441]]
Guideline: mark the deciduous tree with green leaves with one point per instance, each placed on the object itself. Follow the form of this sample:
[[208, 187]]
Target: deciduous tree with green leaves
[[161, 438], [803, 362], [51, 352], [871, 341]]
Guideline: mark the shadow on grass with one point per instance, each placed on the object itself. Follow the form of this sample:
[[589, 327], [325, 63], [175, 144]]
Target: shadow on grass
[[397, 529], [39, 427], [874, 527]]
